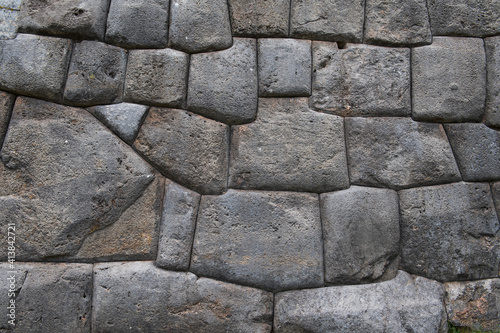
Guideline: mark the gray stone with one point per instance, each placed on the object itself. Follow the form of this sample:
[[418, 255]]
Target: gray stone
[[157, 77], [187, 148], [8, 23], [34, 65], [361, 80], [180, 208], [67, 18], [200, 25], [449, 80], [139, 297], [289, 147], [495, 189], [260, 18], [284, 67], [96, 74], [492, 113], [124, 119], [398, 153], [332, 20], [268, 240], [223, 85], [138, 23], [6, 105], [397, 23], [11, 4], [450, 232], [360, 235], [404, 304]]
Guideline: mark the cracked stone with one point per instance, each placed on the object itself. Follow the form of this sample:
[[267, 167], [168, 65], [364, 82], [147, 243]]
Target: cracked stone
[[492, 113], [257, 18], [6, 105]]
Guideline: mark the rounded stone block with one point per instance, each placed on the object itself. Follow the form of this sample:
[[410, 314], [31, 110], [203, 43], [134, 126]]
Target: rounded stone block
[[492, 113], [260, 18]]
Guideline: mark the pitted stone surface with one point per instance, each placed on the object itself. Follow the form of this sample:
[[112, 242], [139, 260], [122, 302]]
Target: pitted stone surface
[[8, 23], [360, 235], [398, 153], [6, 105], [404, 304], [449, 80], [492, 113], [223, 85], [140, 297], [257, 18], [289, 147], [268, 240], [361, 80], [450, 232]]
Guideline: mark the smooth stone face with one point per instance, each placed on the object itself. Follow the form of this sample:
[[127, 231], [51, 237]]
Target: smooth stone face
[[268, 240], [450, 232], [260, 18], [187, 148], [140, 297], [404, 304], [492, 113], [449, 80], [289, 148], [361, 235], [34, 65], [361, 80], [6, 105], [8, 23], [398, 153]]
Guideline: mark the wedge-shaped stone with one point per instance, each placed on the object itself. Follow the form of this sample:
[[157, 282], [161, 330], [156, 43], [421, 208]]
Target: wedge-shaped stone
[[289, 147], [492, 113], [138, 296], [6, 105], [260, 18], [268, 240], [398, 153]]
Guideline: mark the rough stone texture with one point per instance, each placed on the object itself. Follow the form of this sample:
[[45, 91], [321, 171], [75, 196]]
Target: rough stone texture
[[124, 119], [492, 113], [50, 297], [200, 25], [187, 148], [34, 65], [284, 67], [495, 189], [404, 304], [138, 23], [157, 77], [289, 147], [397, 23], [361, 235], [6, 105], [223, 85], [477, 151], [449, 80], [178, 223], [66, 18], [474, 304], [96, 74], [8, 23], [450, 232], [398, 153], [268, 240], [140, 297], [332, 20], [260, 18], [361, 80]]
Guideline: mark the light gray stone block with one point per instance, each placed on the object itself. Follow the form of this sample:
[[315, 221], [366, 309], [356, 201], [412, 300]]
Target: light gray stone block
[[260, 18], [8, 23], [6, 105], [11, 4], [492, 113]]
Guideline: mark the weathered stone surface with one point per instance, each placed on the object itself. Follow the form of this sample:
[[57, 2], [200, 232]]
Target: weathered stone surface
[[200, 25], [178, 222], [398, 153], [492, 113], [474, 304], [289, 147], [157, 77], [449, 80], [268, 240], [96, 74], [67, 18], [223, 85], [450, 232], [397, 23], [187, 148], [140, 297], [49, 297], [284, 67], [360, 235], [11, 4], [404, 304], [34, 65], [495, 189], [8, 23], [260, 18], [138, 23], [361, 80], [6, 104]]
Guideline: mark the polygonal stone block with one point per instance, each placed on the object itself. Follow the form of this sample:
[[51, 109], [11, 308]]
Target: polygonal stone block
[[260, 18], [8, 23], [6, 104], [492, 113]]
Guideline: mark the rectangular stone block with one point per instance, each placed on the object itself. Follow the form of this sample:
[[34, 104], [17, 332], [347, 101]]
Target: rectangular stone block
[[260, 18], [492, 113]]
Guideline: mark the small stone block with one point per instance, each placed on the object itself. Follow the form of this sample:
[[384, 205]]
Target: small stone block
[[495, 189], [8, 23], [6, 105], [492, 113], [260, 18]]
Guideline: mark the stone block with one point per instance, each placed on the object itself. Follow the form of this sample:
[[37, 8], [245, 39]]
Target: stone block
[[492, 113], [495, 189], [6, 105], [8, 23], [260, 18], [11, 4]]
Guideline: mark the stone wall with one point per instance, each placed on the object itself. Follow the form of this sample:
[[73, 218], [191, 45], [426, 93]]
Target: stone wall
[[249, 165]]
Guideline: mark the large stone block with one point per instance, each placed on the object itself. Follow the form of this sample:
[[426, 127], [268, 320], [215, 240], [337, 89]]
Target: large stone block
[[6, 105], [260, 18], [492, 113], [289, 147], [450, 232]]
